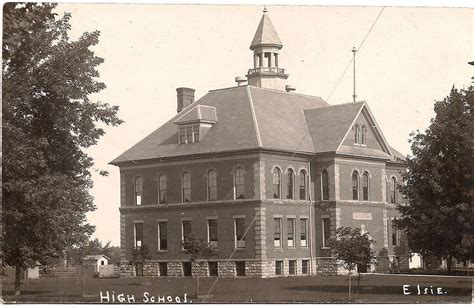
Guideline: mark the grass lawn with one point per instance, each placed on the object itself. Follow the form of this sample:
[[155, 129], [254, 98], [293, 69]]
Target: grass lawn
[[322, 289]]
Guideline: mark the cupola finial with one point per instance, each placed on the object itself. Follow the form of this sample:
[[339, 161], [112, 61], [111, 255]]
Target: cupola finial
[[265, 9]]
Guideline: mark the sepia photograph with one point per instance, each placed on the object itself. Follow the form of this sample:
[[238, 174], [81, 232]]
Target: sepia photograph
[[237, 153]]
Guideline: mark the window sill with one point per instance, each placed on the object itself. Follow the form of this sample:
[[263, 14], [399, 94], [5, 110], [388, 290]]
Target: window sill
[[325, 248], [162, 251]]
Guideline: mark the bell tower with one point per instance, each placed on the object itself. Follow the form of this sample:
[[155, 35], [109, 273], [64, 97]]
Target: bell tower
[[266, 46]]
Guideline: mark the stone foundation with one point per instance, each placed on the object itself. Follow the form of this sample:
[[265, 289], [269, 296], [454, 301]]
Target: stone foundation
[[127, 270], [382, 265], [326, 266]]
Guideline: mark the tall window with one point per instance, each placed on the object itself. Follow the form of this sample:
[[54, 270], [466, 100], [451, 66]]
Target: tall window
[[326, 231], [291, 231], [239, 183], [393, 190], [303, 185], [292, 267], [212, 185], [186, 184], [239, 226], [212, 232], [196, 133], [304, 232], [394, 233], [162, 189], [138, 190], [182, 135], [325, 185], [355, 185], [163, 235], [365, 186], [291, 184], [278, 268], [363, 132], [185, 229], [277, 183], [277, 232], [189, 134], [138, 229], [356, 133]]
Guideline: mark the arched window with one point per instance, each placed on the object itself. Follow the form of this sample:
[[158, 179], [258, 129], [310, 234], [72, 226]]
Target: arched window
[[186, 187], [356, 133], [212, 185], [363, 131], [138, 190], [239, 183], [393, 190], [291, 184], [277, 183], [324, 185], [365, 186], [162, 190], [355, 185], [303, 185]]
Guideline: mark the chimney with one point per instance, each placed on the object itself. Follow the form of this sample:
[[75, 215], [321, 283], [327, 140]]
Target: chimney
[[289, 88], [185, 98], [240, 80]]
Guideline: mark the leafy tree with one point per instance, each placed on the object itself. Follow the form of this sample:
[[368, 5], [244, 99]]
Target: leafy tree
[[199, 251], [353, 248], [48, 122], [438, 216]]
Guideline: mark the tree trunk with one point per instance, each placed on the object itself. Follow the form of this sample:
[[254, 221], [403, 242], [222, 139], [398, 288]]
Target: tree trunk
[[350, 287], [449, 261], [17, 279], [197, 286]]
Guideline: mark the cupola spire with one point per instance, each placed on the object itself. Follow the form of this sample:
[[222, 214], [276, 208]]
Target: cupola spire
[[266, 47]]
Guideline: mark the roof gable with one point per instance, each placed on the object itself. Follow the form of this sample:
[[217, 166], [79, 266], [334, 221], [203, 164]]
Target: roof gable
[[200, 113]]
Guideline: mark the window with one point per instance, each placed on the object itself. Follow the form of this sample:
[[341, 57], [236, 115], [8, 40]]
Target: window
[[212, 186], [277, 232], [138, 235], [196, 133], [182, 135], [240, 268], [212, 232], [239, 183], [186, 184], [393, 190], [213, 269], [163, 267], [303, 185], [163, 235], [102, 263], [363, 137], [365, 186], [138, 190], [189, 134], [187, 269], [356, 134], [326, 231], [277, 183], [186, 229], [292, 267], [291, 232], [355, 185], [325, 185], [162, 189], [304, 267], [239, 226], [395, 241], [387, 190], [304, 232], [291, 184], [278, 268]]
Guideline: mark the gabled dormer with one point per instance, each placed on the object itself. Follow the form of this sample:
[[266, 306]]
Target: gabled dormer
[[194, 123]]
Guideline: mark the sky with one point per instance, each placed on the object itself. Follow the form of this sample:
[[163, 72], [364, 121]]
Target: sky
[[411, 58]]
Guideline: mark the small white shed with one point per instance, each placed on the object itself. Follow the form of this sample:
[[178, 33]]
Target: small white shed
[[96, 261]]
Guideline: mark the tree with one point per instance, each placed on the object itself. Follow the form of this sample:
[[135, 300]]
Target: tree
[[48, 122], [353, 248], [438, 216], [199, 250]]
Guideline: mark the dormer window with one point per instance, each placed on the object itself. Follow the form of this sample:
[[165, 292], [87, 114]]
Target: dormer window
[[195, 123]]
